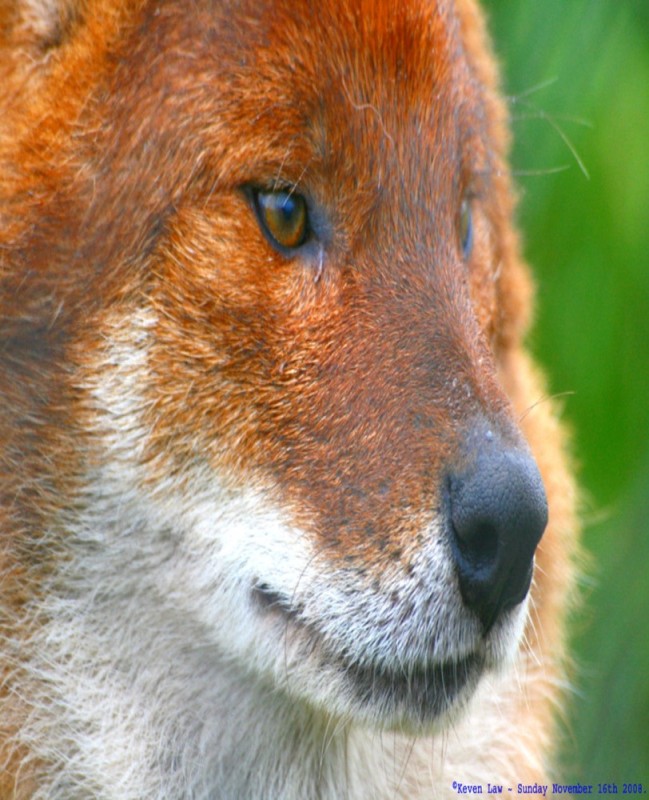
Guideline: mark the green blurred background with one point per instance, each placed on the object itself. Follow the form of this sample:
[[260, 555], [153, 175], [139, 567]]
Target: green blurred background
[[577, 73]]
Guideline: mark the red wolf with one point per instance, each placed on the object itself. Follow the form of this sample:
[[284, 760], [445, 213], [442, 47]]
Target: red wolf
[[273, 471]]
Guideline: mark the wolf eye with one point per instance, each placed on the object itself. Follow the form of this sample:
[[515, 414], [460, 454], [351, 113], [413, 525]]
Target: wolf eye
[[466, 228], [283, 217]]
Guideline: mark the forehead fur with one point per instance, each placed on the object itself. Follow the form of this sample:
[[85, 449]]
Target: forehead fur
[[271, 67]]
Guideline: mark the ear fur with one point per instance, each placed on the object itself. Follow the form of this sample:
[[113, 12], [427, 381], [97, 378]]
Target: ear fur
[[42, 24]]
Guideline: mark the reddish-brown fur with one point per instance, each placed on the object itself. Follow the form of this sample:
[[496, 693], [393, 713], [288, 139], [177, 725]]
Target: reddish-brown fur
[[128, 128]]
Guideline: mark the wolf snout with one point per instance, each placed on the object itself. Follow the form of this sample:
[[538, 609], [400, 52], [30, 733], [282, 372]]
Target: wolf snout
[[498, 513]]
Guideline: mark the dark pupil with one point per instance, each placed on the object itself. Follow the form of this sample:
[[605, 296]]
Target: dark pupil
[[285, 207]]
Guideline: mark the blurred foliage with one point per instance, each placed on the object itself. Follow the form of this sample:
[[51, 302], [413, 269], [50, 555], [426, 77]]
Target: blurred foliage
[[577, 74]]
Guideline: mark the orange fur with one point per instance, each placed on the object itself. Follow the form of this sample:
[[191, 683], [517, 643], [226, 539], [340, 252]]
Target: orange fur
[[339, 385]]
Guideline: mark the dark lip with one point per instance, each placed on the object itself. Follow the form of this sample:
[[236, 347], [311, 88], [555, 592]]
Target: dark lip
[[415, 693], [418, 693]]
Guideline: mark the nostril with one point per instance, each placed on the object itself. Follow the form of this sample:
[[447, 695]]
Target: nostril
[[478, 544], [498, 512]]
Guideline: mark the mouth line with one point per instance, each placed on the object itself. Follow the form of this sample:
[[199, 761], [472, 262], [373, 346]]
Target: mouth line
[[417, 691], [269, 600]]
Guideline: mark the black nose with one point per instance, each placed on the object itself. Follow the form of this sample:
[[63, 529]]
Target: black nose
[[498, 512]]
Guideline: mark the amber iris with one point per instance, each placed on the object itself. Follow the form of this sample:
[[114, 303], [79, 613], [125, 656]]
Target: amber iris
[[284, 218]]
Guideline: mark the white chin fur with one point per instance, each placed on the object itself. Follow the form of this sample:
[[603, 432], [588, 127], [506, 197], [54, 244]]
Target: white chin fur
[[164, 667]]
